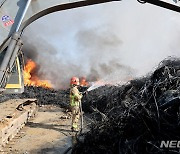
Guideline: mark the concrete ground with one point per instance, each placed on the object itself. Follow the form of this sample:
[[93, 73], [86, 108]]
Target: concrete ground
[[48, 133]]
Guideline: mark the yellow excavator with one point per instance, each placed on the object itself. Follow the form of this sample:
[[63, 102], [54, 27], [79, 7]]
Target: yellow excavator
[[16, 15]]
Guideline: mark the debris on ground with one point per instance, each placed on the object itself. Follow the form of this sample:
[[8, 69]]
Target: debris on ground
[[136, 117], [132, 118], [45, 96]]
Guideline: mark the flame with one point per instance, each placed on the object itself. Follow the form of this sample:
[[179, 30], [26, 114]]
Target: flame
[[83, 82], [30, 79]]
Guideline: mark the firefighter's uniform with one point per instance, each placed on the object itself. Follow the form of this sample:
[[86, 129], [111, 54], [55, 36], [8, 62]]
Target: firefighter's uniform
[[75, 100]]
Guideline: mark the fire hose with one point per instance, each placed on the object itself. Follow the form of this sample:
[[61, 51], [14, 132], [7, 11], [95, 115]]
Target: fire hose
[[81, 125], [80, 105], [81, 116], [80, 131]]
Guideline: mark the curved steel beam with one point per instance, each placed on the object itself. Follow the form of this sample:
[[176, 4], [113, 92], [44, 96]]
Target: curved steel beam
[[40, 8], [36, 10], [62, 7]]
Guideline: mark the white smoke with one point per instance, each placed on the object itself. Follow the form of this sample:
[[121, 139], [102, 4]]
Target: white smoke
[[113, 41]]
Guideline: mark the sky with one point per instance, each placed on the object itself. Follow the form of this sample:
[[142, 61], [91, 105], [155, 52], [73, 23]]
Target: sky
[[114, 42]]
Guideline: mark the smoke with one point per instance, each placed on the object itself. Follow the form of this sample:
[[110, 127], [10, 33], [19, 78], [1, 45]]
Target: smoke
[[114, 42]]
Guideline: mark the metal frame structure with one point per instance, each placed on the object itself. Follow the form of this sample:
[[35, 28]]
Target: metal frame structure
[[24, 12]]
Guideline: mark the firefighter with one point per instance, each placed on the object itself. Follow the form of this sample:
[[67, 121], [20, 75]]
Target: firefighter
[[75, 100]]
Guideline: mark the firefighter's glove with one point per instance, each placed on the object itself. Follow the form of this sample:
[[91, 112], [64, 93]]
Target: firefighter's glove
[[84, 93]]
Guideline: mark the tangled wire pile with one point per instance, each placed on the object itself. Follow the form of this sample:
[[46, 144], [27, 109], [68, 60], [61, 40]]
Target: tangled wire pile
[[135, 118], [129, 119]]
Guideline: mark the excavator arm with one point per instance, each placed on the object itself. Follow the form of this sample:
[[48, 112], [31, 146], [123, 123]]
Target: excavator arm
[[16, 15], [24, 12]]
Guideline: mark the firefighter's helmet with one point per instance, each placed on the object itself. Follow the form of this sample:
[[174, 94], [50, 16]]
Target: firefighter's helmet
[[74, 81]]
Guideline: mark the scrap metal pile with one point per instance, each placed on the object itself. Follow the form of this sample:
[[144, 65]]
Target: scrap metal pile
[[133, 118], [136, 117]]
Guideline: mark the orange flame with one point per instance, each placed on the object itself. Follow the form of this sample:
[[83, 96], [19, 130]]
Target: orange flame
[[31, 79], [83, 82]]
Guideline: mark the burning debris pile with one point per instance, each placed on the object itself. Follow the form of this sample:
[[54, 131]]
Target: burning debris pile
[[133, 118], [39, 89], [136, 117], [30, 77]]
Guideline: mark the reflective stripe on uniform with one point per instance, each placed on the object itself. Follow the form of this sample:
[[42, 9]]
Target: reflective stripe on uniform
[[75, 97], [74, 125], [73, 102]]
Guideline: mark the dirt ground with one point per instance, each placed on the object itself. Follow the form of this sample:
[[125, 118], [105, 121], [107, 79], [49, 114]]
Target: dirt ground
[[48, 133]]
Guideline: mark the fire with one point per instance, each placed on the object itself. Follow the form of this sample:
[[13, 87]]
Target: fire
[[83, 82], [30, 79]]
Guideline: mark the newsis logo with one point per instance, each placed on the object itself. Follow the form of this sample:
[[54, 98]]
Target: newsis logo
[[170, 144]]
